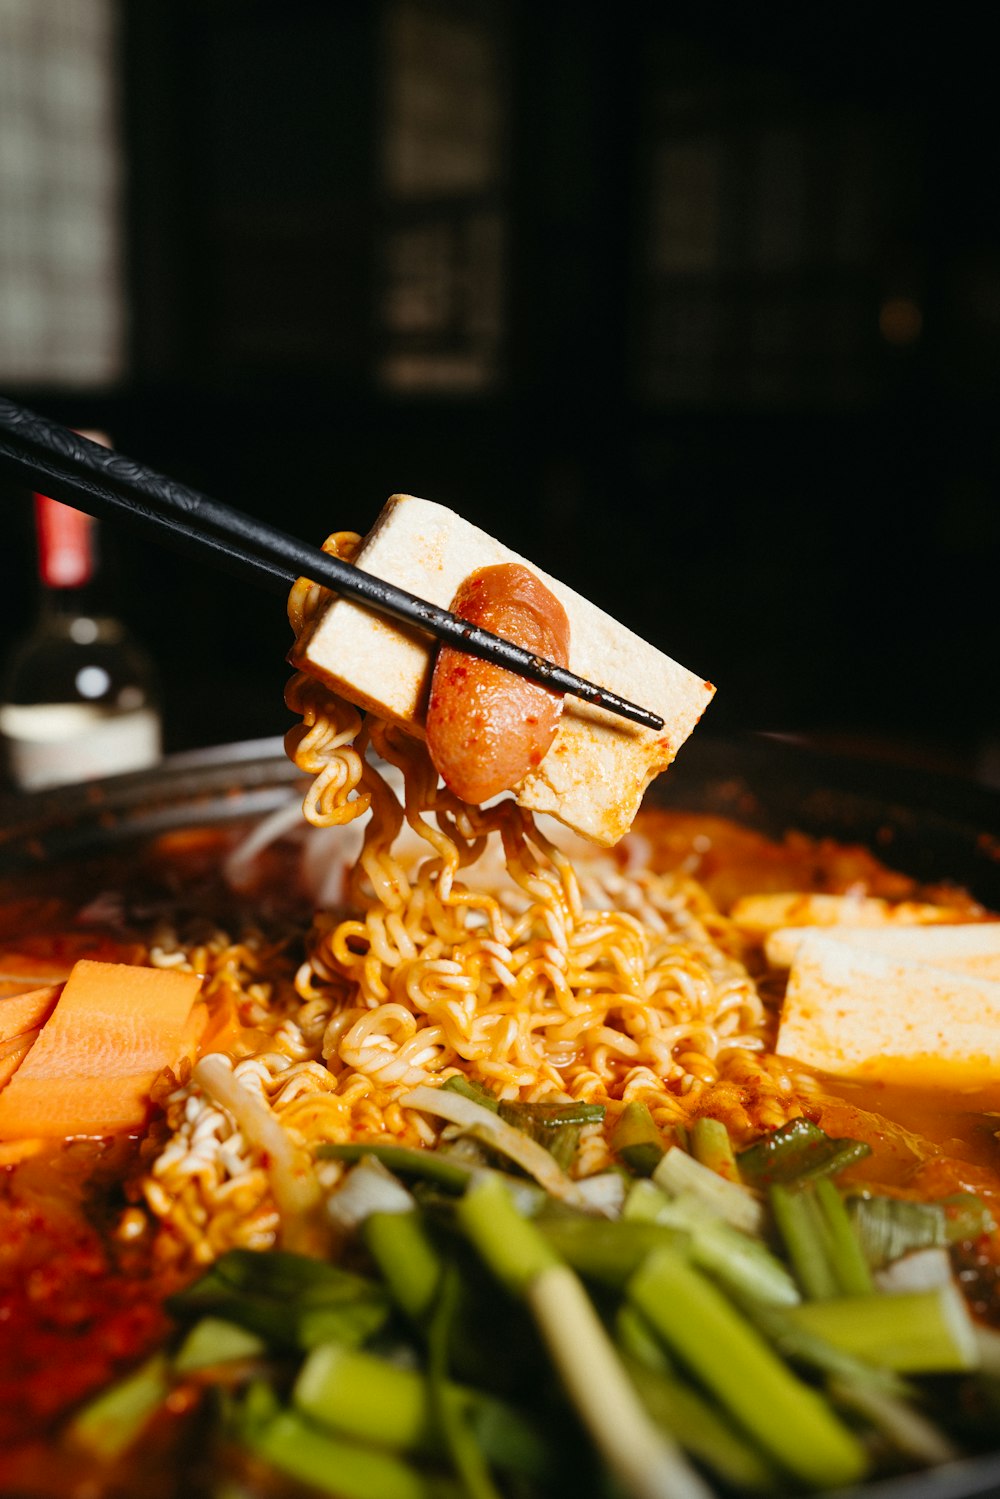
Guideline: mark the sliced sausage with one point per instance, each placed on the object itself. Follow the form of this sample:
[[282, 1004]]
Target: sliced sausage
[[487, 727]]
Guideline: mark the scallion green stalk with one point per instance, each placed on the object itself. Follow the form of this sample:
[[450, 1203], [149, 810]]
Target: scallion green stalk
[[847, 1258], [605, 1251], [636, 1140], [213, 1341], [108, 1425], [642, 1458], [797, 1152], [427, 1165], [291, 1300], [803, 1231], [702, 1430], [711, 1145], [742, 1264], [411, 1266], [680, 1173], [913, 1332], [789, 1421], [343, 1469], [359, 1396], [899, 1421], [449, 1415]]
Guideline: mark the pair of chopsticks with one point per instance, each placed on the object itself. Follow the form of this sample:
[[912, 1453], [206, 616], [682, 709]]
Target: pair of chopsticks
[[50, 459]]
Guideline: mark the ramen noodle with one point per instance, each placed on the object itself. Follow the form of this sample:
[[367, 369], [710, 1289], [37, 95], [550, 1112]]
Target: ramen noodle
[[482, 950]]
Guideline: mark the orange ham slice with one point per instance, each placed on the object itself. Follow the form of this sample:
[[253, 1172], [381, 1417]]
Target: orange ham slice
[[487, 727]]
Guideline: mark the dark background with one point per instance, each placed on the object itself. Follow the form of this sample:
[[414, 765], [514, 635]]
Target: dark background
[[700, 311]]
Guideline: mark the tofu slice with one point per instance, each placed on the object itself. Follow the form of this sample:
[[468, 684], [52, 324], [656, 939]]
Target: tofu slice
[[853, 1012], [598, 766], [972, 948], [758, 915]]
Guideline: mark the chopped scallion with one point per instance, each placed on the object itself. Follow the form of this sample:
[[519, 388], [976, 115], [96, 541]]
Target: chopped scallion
[[788, 1420], [636, 1140], [343, 1469], [799, 1151], [679, 1172], [913, 1332], [711, 1145], [109, 1424]]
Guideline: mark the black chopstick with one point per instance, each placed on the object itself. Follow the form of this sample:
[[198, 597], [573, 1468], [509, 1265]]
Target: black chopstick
[[53, 460]]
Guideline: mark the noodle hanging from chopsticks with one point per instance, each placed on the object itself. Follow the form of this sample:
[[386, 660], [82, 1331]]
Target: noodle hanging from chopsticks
[[513, 981]]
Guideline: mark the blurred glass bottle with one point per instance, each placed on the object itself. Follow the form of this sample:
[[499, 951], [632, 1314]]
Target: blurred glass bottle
[[79, 694]]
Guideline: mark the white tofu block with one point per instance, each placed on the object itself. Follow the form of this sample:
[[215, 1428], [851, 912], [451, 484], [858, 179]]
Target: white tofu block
[[972, 948], [598, 766], [760, 914], [852, 1012]]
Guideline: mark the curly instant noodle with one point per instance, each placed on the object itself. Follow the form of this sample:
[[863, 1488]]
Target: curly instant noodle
[[487, 955]]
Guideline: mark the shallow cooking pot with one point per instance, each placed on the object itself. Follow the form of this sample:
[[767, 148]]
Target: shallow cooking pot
[[932, 827]]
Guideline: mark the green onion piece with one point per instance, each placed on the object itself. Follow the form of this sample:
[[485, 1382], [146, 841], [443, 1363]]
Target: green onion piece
[[429, 1165], [354, 1394], [257, 1409], [637, 1340], [557, 1126], [216, 1341], [291, 1300], [551, 1115], [411, 1266], [486, 1126], [644, 1202], [889, 1227], [825, 1251], [913, 1332], [636, 1140], [108, 1425], [797, 1345], [358, 1395], [799, 1151], [847, 1258], [743, 1265], [608, 1252], [343, 1469], [804, 1234], [678, 1173], [473, 1091], [711, 1145], [899, 1422], [702, 1430], [512, 1247], [459, 1438], [645, 1461], [788, 1420]]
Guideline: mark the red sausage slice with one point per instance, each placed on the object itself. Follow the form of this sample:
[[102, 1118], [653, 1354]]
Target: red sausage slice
[[487, 727]]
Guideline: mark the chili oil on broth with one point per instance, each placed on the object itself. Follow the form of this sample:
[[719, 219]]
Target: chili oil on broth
[[131, 1220]]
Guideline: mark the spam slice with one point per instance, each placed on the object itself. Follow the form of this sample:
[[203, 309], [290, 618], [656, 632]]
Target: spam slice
[[858, 1013], [598, 767]]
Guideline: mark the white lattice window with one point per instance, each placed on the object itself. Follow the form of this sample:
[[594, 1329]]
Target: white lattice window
[[61, 289]]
